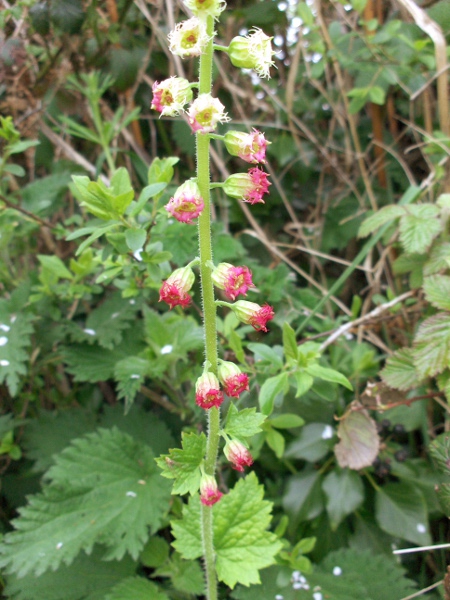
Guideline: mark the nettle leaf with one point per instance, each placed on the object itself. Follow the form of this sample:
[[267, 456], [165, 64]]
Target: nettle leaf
[[345, 493], [432, 345], [242, 543], [183, 464], [104, 488], [244, 423], [359, 443], [186, 575], [87, 578], [401, 511], [437, 291], [419, 227], [15, 339], [129, 374], [380, 218], [399, 371], [136, 588]]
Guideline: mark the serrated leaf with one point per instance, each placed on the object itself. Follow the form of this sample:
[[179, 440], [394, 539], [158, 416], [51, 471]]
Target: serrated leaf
[[326, 374], [186, 575], [244, 423], [242, 543], [359, 442], [183, 465], [400, 510], [270, 390], [345, 493], [419, 227], [289, 342], [87, 578], [399, 371], [440, 452], [136, 588], [381, 217], [104, 488], [443, 493], [129, 374], [438, 259], [15, 339], [432, 345], [437, 291]]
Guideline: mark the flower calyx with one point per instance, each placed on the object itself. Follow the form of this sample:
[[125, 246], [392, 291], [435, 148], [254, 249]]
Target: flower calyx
[[207, 391], [253, 51], [175, 289], [209, 492], [249, 187], [238, 455], [187, 203], [234, 381], [204, 8], [171, 95], [251, 147], [189, 38], [232, 280], [251, 313], [205, 113]]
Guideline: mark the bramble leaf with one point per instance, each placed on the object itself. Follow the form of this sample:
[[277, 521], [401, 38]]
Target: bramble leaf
[[243, 423], [241, 541], [104, 488], [432, 345], [399, 371], [437, 291], [359, 443], [183, 464], [382, 216], [419, 227], [440, 451]]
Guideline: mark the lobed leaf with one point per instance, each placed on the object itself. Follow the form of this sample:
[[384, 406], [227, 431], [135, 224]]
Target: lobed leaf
[[244, 423], [432, 345], [183, 464], [136, 588], [419, 227], [399, 371], [437, 291]]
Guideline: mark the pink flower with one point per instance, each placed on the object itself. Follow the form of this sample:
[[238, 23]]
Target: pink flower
[[209, 492], [238, 454], [189, 38], [233, 380], [207, 391], [249, 187], [253, 314], [233, 280], [175, 289], [170, 96], [251, 147], [187, 203], [205, 113]]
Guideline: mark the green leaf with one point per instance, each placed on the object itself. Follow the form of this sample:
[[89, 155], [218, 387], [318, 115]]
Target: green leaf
[[242, 543], [15, 170], [135, 238], [419, 227], [432, 345], [345, 493], [155, 553], [376, 94], [359, 442], [437, 291], [55, 265], [312, 443], [399, 371], [289, 342], [304, 497], [440, 452], [130, 375], [400, 510], [161, 169], [244, 423], [275, 441], [270, 390], [381, 217], [15, 339], [148, 192], [326, 374], [136, 588], [104, 488], [183, 464], [67, 15], [186, 575], [264, 353], [286, 421], [87, 578], [304, 382]]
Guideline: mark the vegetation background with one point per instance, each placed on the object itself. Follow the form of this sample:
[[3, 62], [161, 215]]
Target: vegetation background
[[358, 115]]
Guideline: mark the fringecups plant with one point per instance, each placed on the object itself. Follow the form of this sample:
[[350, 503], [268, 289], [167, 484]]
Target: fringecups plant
[[194, 466]]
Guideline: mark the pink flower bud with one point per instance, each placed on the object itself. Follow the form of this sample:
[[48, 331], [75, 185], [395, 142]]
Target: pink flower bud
[[253, 51], [189, 38], [253, 314], [209, 492], [205, 113], [233, 380], [207, 391], [170, 96], [187, 203], [233, 280], [251, 147], [175, 289], [249, 187], [206, 7], [238, 454]]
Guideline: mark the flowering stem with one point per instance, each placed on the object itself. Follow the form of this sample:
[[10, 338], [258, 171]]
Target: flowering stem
[[209, 311]]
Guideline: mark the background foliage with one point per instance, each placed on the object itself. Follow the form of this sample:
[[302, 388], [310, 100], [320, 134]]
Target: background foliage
[[351, 248]]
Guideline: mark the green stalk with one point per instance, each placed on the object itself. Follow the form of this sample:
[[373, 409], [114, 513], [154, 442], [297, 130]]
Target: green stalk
[[209, 311]]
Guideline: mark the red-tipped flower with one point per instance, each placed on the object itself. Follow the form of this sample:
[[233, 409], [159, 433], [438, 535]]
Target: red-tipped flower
[[253, 314], [207, 391], [233, 280], [205, 113], [209, 492], [234, 381], [175, 289], [187, 203], [170, 96], [251, 147], [238, 455], [249, 187]]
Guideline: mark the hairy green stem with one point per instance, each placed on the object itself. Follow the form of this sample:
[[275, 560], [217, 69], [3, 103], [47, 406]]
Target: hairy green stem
[[209, 312]]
